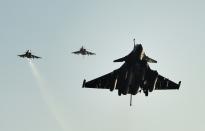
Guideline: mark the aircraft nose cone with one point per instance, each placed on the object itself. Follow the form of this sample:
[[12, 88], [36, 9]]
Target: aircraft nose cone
[[138, 47]]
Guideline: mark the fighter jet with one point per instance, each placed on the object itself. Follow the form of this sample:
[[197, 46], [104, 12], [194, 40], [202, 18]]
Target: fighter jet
[[133, 77], [29, 55], [83, 51]]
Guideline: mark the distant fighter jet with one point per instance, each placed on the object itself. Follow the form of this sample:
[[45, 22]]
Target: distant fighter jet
[[133, 76], [29, 55], [83, 51]]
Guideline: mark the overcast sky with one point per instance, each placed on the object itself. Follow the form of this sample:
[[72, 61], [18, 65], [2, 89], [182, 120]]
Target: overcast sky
[[47, 94]]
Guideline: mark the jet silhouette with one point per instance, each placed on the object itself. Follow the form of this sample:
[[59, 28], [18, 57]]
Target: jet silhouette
[[29, 55], [133, 76], [83, 51]]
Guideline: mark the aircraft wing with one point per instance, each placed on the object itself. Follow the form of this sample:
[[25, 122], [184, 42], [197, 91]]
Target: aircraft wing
[[37, 57], [23, 55], [166, 84], [90, 53], [76, 52], [104, 82]]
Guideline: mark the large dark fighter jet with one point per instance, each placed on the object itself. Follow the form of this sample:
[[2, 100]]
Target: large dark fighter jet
[[29, 55], [83, 51], [133, 76]]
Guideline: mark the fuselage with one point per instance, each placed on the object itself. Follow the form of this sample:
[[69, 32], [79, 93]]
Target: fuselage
[[83, 51], [132, 73], [28, 54], [131, 77]]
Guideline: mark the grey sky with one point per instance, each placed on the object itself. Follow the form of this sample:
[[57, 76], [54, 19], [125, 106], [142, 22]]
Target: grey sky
[[172, 32]]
